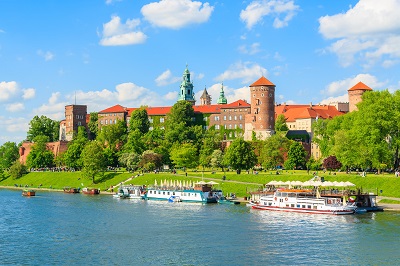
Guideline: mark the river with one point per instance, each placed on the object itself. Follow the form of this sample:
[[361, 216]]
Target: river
[[54, 228]]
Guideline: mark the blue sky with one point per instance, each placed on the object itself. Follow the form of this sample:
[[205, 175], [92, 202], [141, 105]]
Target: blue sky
[[133, 53]]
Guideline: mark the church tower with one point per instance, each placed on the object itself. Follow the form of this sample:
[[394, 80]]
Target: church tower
[[205, 98], [261, 119], [355, 93], [222, 99], [186, 89]]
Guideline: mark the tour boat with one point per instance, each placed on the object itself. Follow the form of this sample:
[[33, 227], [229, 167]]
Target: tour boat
[[71, 190], [201, 192], [130, 192], [303, 200], [91, 191], [28, 193]]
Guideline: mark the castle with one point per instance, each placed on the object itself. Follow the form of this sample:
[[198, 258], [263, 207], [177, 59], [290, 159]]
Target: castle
[[239, 118]]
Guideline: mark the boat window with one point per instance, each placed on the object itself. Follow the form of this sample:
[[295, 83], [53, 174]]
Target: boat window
[[168, 193], [293, 195], [278, 194], [163, 193], [284, 194], [315, 207], [309, 206], [292, 205], [173, 193], [270, 203], [159, 192], [303, 206], [287, 205], [298, 205]]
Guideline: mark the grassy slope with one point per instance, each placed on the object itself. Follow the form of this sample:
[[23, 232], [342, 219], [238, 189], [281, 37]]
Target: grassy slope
[[239, 184]]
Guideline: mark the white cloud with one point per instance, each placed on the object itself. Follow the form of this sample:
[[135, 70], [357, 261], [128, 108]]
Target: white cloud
[[48, 56], [15, 107], [28, 93], [367, 31], [342, 86], [231, 94], [53, 109], [341, 99], [248, 72], [251, 49], [115, 33], [166, 78], [8, 90], [109, 2], [171, 96], [176, 14], [282, 11]]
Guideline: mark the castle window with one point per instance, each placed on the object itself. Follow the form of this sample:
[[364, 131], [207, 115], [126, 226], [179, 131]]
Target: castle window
[[225, 126], [106, 122], [205, 127], [254, 95], [235, 117], [151, 120], [240, 126], [150, 128], [235, 126], [110, 121], [216, 118], [230, 118], [224, 117], [270, 95], [230, 126], [193, 119], [240, 117], [162, 128], [216, 126], [262, 94], [205, 118], [79, 123], [162, 120], [115, 121], [101, 122]]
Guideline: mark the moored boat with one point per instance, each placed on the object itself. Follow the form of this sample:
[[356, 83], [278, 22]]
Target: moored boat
[[91, 191], [71, 190], [224, 200], [201, 192], [130, 192], [28, 193], [303, 201]]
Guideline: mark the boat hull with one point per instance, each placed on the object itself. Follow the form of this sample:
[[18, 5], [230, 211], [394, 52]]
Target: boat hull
[[301, 210]]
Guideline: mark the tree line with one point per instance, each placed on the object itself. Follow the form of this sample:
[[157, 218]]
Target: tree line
[[368, 138]]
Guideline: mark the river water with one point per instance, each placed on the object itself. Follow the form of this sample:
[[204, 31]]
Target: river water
[[74, 229]]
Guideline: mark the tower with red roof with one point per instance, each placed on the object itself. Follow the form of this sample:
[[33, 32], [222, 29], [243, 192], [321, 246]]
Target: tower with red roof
[[261, 119], [355, 93]]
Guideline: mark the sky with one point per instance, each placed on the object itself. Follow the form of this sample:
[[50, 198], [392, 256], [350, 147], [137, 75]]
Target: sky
[[105, 52]]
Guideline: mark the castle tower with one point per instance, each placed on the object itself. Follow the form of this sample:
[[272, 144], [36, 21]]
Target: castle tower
[[222, 99], [205, 98], [75, 116], [355, 93], [186, 89], [261, 119]]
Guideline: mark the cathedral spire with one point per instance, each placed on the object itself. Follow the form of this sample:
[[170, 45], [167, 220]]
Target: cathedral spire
[[186, 89], [222, 99], [205, 98]]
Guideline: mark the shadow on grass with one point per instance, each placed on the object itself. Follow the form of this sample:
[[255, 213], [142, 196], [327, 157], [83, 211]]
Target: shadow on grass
[[105, 177]]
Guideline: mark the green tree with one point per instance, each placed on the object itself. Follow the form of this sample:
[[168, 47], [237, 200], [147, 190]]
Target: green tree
[[39, 156], [184, 155], [296, 156], [217, 159], [43, 126], [93, 125], [139, 121], [273, 151], [154, 138], [181, 112], [72, 156], [134, 143], [240, 155], [150, 156], [210, 143], [280, 123], [113, 136], [17, 170], [8, 154], [93, 160], [129, 160]]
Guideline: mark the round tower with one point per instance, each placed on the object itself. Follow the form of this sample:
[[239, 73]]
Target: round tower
[[261, 120], [355, 93]]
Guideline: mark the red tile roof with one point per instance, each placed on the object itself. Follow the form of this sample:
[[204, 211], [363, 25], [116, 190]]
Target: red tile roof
[[262, 82], [294, 112], [360, 86], [114, 109], [236, 104]]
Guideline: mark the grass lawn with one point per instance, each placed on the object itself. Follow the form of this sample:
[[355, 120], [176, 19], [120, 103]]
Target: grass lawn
[[234, 183]]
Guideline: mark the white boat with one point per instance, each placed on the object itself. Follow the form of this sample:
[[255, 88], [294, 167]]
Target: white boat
[[130, 192], [303, 201], [202, 192]]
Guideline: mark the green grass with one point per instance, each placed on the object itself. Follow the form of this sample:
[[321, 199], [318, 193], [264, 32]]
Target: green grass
[[389, 201], [234, 183]]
